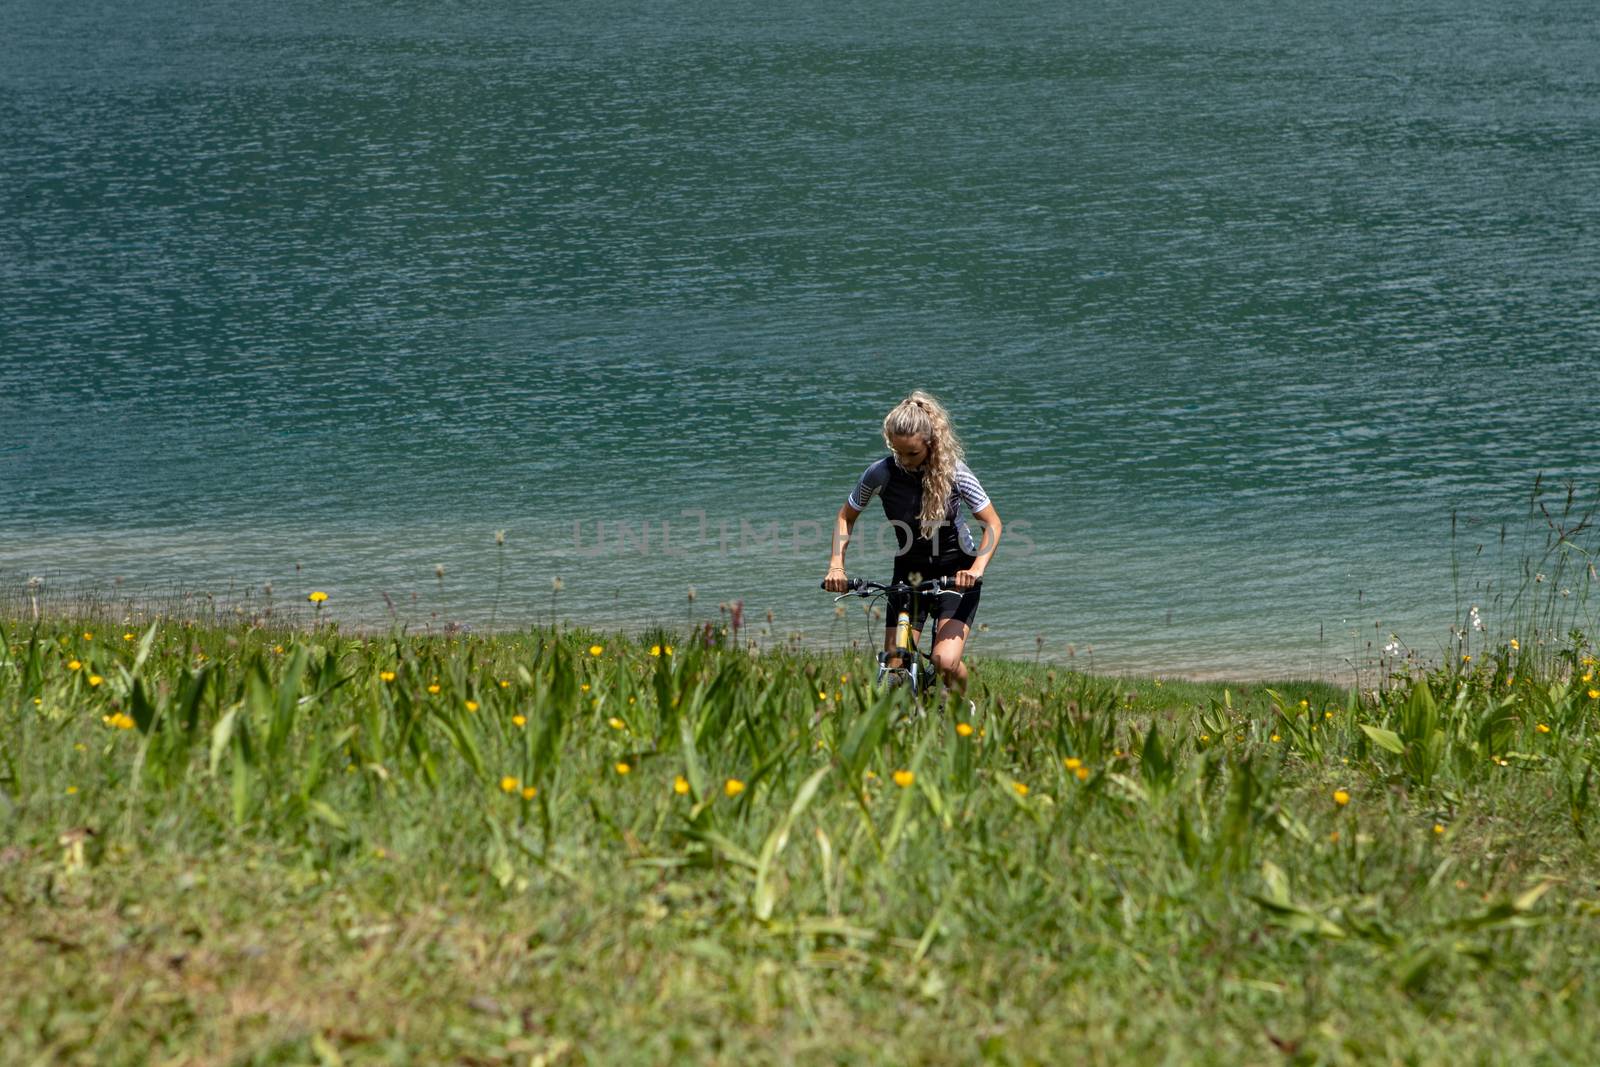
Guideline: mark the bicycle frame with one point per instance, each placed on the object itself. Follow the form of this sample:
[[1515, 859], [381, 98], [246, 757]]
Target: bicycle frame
[[911, 666]]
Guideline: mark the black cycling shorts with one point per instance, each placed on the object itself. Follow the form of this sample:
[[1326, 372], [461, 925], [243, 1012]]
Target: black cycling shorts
[[943, 606]]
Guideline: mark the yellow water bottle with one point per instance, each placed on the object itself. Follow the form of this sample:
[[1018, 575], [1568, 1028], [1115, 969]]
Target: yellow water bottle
[[902, 631]]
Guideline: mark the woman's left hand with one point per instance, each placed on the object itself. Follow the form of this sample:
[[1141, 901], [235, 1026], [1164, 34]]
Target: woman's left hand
[[968, 579]]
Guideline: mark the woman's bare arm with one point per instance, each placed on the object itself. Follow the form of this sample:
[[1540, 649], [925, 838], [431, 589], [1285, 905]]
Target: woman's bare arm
[[843, 524], [991, 538]]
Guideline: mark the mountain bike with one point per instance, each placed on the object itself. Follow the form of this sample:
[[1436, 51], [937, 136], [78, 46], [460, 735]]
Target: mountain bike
[[904, 664]]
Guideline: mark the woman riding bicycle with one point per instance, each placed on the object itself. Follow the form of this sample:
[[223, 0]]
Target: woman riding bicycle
[[923, 484]]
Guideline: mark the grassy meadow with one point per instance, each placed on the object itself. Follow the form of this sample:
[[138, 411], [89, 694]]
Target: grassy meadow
[[231, 844]]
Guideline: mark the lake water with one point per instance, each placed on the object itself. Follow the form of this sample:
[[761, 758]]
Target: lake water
[[1235, 305]]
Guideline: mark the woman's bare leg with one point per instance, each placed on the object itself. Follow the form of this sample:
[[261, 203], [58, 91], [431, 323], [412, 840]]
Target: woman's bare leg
[[949, 641]]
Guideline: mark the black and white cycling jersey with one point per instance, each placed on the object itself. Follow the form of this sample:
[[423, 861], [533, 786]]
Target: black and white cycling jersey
[[901, 493]]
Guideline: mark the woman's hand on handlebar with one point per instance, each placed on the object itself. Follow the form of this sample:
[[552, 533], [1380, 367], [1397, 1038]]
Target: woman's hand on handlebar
[[836, 582], [966, 579]]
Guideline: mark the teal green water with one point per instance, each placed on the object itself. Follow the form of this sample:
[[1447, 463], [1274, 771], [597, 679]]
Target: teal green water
[[1234, 304]]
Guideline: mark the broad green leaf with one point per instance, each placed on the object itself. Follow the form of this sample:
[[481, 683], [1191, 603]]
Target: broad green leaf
[[222, 736], [1300, 919], [1277, 882], [763, 898], [693, 769], [1387, 740], [726, 848], [144, 712], [240, 785], [322, 811], [1526, 900], [146, 643]]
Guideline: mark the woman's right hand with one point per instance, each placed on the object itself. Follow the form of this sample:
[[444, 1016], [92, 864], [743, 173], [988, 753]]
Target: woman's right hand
[[836, 582]]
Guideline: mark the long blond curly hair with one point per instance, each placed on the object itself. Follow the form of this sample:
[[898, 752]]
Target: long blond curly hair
[[921, 415]]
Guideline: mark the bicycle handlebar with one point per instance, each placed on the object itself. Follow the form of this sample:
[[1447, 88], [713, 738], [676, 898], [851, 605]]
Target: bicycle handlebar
[[931, 587]]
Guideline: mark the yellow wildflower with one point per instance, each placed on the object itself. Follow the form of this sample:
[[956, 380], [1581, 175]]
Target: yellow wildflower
[[1466, 658], [1340, 797], [87, 636], [1204, 738], [120, 721], [1594, 694], [434, 688], [616, 723], [1438, 828], [584, 687], [904, 778], [472, 705], [1072, 763], [595, 650], [509, 784], [1334, 837], [1275, 737], [71, 789], [655, 650], [127, 637], [1542, 728], [317, 596], [95, 679], [624, 768], [504, 684], [529, 792], [822, 694], [1082, 773], [1022, 789], [680, 785], [387, 676], [733, 787], [1514, 645], [74, 665], [964, 729], [519, 720]]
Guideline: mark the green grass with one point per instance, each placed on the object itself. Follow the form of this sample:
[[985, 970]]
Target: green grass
[[279, 855]]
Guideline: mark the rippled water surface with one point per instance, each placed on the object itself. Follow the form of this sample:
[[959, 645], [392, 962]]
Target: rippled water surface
[[1235, 305]]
